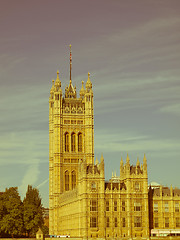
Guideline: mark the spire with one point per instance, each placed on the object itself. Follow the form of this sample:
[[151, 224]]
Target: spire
[[138, 163], [88, 83], [58, 82], [97, 162], [121, 162], [171, 190], [127, 159], [70, 62], [70, 92], [102, 158], [144, 159], [145, 164], [52, 88], [82, 91]]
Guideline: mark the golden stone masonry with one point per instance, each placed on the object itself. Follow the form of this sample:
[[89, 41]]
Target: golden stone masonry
[[81, 202]]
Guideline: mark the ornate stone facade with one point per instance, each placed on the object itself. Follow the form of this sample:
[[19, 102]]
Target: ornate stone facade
[[81, 203]]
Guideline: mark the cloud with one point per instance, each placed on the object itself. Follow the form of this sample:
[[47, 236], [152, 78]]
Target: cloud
[[25, 147], [43, 183], [132, 141], [172, 109], [30, 177], [139, 91]]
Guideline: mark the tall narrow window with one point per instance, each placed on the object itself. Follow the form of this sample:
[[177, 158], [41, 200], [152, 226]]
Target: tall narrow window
[[155, 206], [166, 222], [137, 222], [93, 222], [80, 142], [123, 206], [176, 206], [115, 222], [73, 178], [137, 206], [73, 142], [166, 207], [123, 222], [66, 181], [156, 222], [115, 205], [107, 206], [93, 205], [107, 221], [66, 142], [177, 222]]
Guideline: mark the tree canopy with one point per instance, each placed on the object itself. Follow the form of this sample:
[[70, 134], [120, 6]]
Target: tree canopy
[[32, 212], [11, 214], [19, 218]]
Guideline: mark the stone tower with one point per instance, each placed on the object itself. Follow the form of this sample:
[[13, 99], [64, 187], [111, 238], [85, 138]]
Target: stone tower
[[71, 139], [135, 179]]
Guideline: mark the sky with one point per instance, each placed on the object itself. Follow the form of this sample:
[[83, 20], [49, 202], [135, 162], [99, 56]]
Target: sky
[[132, 51]]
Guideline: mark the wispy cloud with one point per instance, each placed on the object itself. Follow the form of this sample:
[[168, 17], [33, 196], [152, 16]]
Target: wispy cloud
[[30, 177], [43, 183], [172, 109], [117, 142], [25, 147]]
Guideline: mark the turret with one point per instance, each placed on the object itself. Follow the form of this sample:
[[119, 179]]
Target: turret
[[82, 91], [137, 166], [144, 165], [88, 83], [137, 163], [102, 158], [58, 83], [171, 190], [127, 165], [101, 165], [97, 162], [52, 91], [121, 169]]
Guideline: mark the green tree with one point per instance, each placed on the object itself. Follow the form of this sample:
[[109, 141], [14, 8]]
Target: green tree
[[33, 213], [11, 217]]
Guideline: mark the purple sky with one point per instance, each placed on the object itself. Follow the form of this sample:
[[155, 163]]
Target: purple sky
[[132, 50]]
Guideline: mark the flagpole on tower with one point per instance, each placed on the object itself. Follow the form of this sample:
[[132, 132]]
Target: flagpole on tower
[[70, 61]]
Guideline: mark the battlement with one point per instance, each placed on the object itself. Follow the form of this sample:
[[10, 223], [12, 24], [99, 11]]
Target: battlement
[[70, 93], [92, 170], [127, 170]]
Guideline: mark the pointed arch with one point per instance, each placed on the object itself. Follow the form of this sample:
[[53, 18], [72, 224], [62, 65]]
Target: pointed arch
[[73, 142], [66, 177], [73, 179], [66, 141], [80, 142]]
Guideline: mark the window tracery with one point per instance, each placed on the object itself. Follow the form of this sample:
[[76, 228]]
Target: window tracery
[[66, 181]]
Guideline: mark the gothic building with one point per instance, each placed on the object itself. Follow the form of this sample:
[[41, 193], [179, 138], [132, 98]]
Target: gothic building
[[81, 203]]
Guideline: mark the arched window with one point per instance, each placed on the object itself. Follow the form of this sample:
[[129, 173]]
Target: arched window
[[73, 175], [73, 142], [66, 181], [80, 142], [67, 142]]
